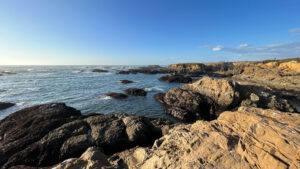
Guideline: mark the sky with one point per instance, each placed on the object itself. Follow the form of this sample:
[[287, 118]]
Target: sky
[[142, 32]]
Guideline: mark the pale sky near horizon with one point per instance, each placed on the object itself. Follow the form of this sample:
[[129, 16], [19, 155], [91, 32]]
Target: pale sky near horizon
[[141, 32]]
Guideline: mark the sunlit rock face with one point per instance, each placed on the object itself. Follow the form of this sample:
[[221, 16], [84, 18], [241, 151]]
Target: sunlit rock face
[[246, 138]]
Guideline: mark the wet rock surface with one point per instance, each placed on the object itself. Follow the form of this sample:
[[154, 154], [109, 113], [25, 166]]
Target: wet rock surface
[[136, 92], [176, 78], [99, 70], [45, 135], [126, 81], [5, 105], [116, 95]]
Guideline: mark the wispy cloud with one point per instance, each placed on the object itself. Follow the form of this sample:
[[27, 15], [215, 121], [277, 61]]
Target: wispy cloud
[[217, 48], [280, 49], [295, 31]]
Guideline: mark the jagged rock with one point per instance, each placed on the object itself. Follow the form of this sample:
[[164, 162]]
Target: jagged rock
[[160, 97], [45, 135], [92, 158], [135, 92], [246, 138], [188, 105], [221, 91], [99, 70], [191, 68], [5, 105], [174, 78], [116, 95], [126, 81]]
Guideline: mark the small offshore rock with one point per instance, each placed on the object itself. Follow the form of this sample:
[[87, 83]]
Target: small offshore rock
[[136, 92], [126, 81], [99, 70], [116, 95], [174, 78], [5, 105]]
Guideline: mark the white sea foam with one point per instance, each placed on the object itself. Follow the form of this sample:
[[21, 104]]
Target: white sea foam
[[157, 89], [21, 103], [105, 98]]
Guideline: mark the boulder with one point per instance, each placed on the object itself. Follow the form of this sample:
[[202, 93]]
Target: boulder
[[135, 92], [5, 105], [175, 78], [126, 81], [116, 95], [245, 138], [99, 70], [221, 91], [188, 105], [25, 127], [45, 135]]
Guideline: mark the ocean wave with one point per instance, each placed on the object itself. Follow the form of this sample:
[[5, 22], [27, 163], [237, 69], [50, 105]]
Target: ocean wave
[[34, 89], [78, 71], [21, 103], [105, 97], [44, 74], [152, 89]]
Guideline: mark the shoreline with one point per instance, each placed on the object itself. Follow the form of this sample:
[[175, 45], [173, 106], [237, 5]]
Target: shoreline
[[244, 119]]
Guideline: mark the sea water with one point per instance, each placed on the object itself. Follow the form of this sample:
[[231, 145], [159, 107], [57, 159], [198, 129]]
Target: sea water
[[79, 87]]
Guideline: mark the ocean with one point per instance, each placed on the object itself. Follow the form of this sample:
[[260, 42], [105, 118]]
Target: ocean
[[79, 87]]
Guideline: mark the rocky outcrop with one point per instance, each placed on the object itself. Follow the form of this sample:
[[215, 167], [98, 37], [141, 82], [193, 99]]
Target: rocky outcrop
[[221, 91], [99, 70], [151, 69], [45, 135], [188, 68], [116, 95], [176, 78], [126, 81], [208, 97], [246, 138], [5, 105], [188, 105], [135, 92]]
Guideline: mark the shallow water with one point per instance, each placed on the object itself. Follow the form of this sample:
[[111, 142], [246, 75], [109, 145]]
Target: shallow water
[[33, 85]]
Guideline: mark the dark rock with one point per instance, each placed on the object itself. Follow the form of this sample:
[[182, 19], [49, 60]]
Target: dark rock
[[160, 97], [135, 92], [99, 70], [116, 95], [174, 78], [4, 105], [23, 128], [7, 73], [126, 81], [152, 69], [44, 135], [123, 72], [188, 105]]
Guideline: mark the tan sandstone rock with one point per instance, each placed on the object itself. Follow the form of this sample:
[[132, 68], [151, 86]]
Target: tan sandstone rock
[[246, 138], [220, 90]]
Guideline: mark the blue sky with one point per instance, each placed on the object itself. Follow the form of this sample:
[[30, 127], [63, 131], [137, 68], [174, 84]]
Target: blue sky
[[67, 32]]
